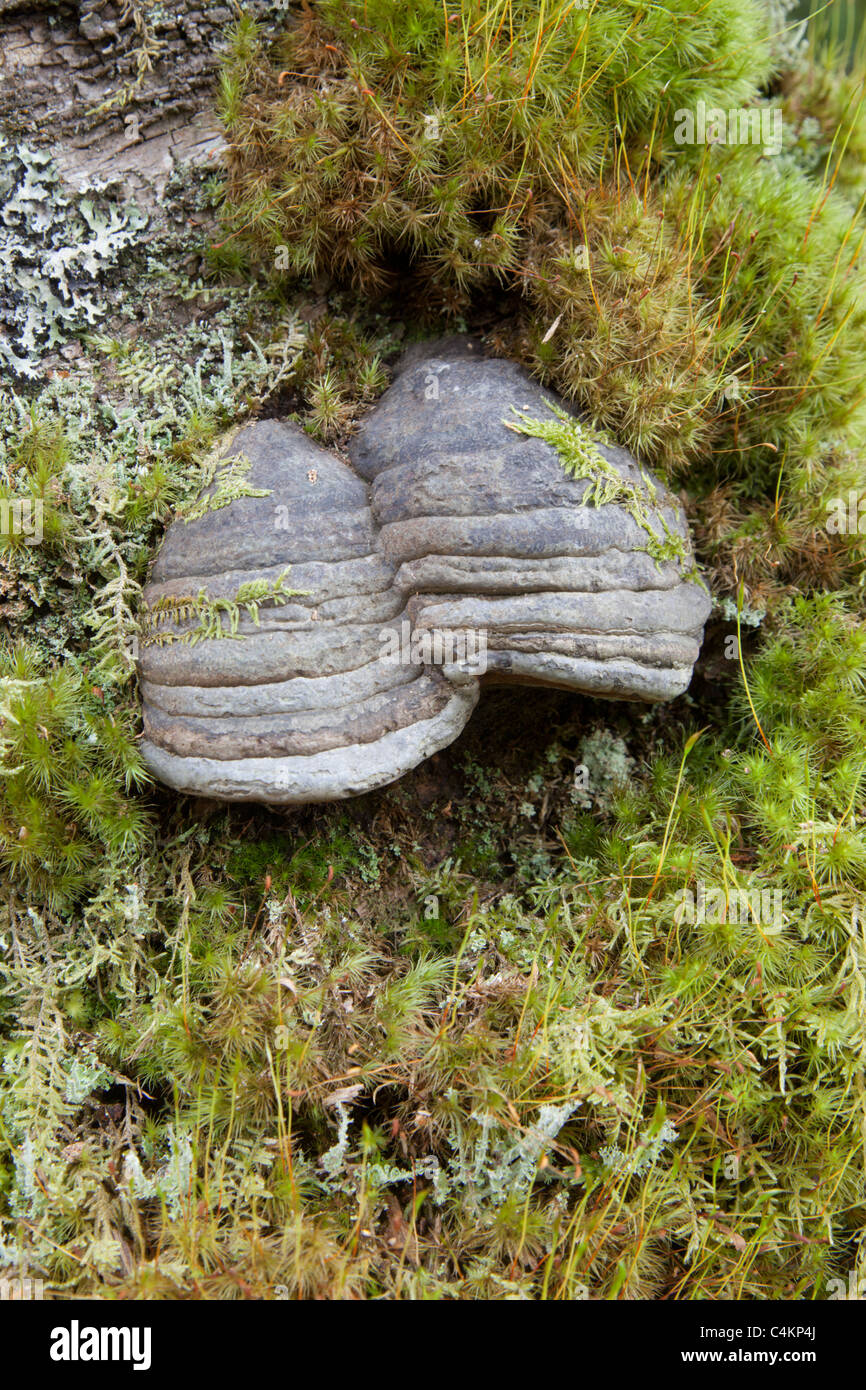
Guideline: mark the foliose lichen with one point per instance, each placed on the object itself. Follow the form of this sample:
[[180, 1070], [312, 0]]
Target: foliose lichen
[[56, 247]]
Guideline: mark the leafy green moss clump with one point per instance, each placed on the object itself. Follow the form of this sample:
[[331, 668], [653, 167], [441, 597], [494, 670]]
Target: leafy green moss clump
[[577, 446], [215, 618], [230, 484], [70, 768], [450, 136]]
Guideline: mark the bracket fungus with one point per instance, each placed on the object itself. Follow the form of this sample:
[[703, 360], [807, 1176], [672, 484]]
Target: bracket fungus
[[313, 629]]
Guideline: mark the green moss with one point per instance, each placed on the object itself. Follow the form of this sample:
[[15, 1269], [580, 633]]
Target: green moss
[[577, 446], [431, 117], [792, 287], [70, 771], [214, 618], [312, 869], [700, 303], [230, 484], [466, 1015]]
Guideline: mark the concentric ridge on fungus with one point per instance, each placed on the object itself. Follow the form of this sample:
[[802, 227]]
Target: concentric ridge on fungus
[[451, 522]]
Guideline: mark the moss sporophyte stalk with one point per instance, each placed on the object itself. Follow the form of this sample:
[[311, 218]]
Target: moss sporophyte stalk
[[577, 445]]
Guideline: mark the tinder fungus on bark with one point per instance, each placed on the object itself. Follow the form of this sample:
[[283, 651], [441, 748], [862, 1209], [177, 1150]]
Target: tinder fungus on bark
[[312, 630]]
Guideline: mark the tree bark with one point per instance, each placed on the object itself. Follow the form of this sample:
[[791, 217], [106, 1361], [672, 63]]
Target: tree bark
[[119, 89]]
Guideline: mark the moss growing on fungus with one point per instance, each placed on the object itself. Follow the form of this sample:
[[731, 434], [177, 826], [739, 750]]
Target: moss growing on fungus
[[230, 484], [214, 618], [577, 446]]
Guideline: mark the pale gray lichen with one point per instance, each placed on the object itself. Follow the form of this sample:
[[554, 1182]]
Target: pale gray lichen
[[56, 248], [787, 31], [606, 767], [648, 1151], [749, 617]]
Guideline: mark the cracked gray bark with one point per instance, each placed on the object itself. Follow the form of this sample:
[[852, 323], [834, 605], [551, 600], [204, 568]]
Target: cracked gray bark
[[119, 89]]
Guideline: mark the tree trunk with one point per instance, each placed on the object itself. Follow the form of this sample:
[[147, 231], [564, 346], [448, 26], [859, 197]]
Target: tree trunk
[[117, 88]]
